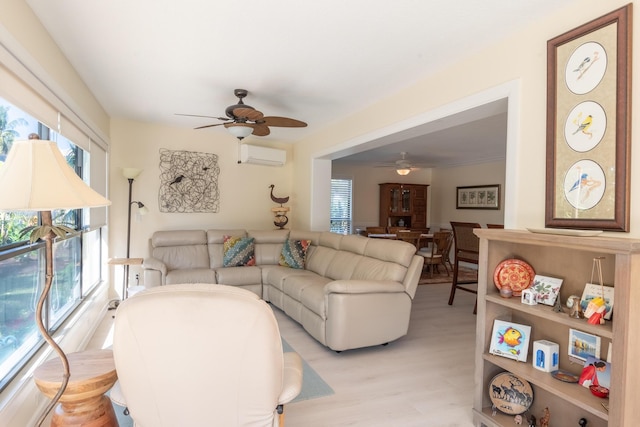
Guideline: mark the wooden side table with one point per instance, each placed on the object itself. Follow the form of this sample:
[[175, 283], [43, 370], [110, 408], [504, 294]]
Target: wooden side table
[[126, 262], [83, 403]]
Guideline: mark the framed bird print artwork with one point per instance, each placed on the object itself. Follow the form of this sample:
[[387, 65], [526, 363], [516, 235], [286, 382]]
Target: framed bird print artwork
[[510, 340], [589, 125]]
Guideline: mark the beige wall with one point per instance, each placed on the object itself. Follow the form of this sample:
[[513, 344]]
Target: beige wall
[[522, 59], [443, 194], [244, 192]]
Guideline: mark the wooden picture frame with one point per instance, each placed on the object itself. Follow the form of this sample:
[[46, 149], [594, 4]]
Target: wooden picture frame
[[478, 197], [589, 125]]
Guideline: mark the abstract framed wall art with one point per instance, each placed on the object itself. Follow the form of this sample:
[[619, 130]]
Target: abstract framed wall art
[[188, 182], [589, 125]]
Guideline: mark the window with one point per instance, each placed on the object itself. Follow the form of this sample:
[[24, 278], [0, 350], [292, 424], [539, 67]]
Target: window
[[341, 195], [22, 276]]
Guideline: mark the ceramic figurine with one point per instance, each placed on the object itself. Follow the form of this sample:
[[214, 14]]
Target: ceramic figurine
[[595, 311], [582, 422], [532, 421], [544, 421], [573, 303], [517, 419]]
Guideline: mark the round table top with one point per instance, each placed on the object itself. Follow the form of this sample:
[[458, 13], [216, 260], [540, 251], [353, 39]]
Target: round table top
[[93, 372]]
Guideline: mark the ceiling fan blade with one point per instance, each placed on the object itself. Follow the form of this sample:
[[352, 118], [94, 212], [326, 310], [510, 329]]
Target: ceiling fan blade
[[208, 117], [260, 129], [284, 122], [248, 113], [209, 126]]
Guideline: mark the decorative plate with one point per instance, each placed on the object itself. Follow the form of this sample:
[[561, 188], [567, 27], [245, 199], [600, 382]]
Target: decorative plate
[[515, 274], [565, 376], [510, 393]]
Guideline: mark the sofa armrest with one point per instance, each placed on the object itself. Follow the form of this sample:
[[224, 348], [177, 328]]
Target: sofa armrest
[[363, 287], [153, 268]]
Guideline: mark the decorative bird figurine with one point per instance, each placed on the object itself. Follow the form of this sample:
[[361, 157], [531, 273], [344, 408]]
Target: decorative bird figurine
[[280, 200]]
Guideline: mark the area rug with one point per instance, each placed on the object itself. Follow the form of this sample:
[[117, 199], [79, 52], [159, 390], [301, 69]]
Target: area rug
[[313, 386], [464, 275]]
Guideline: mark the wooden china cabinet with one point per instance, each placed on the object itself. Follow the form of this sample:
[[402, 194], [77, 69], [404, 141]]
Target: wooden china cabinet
[[403, 205]]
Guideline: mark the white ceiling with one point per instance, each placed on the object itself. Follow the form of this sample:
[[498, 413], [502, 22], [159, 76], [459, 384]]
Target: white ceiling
[[318, 62]]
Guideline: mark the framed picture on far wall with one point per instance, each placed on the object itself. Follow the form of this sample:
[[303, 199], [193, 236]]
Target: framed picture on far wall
[[478, 197]]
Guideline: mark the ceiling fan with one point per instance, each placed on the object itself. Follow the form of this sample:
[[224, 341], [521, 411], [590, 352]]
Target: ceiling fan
[[402, 166], [243, 120]]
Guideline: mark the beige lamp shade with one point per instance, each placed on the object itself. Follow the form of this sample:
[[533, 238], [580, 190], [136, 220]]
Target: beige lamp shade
[[35, 177]]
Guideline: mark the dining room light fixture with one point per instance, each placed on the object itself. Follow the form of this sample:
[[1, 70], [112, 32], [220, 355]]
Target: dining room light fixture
[[403, 171], [36, 177], [239, 130]]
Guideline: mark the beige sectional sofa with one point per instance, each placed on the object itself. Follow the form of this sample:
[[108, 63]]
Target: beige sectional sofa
[[352, 292]]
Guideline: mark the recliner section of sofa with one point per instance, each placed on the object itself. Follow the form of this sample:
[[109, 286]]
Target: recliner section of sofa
[[353, 292]]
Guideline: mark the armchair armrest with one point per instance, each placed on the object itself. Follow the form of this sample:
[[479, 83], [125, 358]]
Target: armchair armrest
[[292, 378], [363, 287]]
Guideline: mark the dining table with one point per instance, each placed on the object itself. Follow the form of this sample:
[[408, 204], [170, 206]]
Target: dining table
[[427, 236]]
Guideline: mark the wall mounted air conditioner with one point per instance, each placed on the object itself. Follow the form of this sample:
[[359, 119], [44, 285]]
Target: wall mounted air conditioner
[[262, 155]]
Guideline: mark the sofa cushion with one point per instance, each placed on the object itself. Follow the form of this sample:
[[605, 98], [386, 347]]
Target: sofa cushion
[[191, 275], [268, 245], [239, 276], [277, 274], [294, 286], [215, 239], [238, 251], [294, 253]]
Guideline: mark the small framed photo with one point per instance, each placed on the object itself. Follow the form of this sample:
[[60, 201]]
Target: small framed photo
[[510, 340], [528, 297], [595, 372], [582, 345], [546, 289], [591, 291]]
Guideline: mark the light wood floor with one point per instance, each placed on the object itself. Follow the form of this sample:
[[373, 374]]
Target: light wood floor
[[422, 379]]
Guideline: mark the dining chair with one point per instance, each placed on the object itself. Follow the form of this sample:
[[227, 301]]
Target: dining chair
[[412, 237], [495, 225], [435, 254], [467, 249], [375, 230], [394, 230]]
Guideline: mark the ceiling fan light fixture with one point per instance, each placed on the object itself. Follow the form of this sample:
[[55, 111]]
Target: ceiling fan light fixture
[[403, 171], [239, 130]]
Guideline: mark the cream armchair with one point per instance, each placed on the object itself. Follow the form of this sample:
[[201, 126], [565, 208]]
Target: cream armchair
[[202, 355]]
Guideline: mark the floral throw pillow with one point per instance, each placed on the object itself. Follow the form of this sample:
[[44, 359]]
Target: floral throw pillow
[[238, 251], [294, 253]]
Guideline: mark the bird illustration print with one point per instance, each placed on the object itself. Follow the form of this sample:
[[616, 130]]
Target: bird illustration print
[[584, 125], [585, 186], [586, 64]]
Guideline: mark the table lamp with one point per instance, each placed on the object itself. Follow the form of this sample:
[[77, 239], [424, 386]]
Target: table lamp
[[36, 177]]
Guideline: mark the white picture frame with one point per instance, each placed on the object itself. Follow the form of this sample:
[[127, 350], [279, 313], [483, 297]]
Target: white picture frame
[[581, 345], [592, 290], [510, 340], [546, 288]]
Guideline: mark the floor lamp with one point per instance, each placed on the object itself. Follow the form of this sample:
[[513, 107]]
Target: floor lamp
[[35, 177], [131, 174]]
